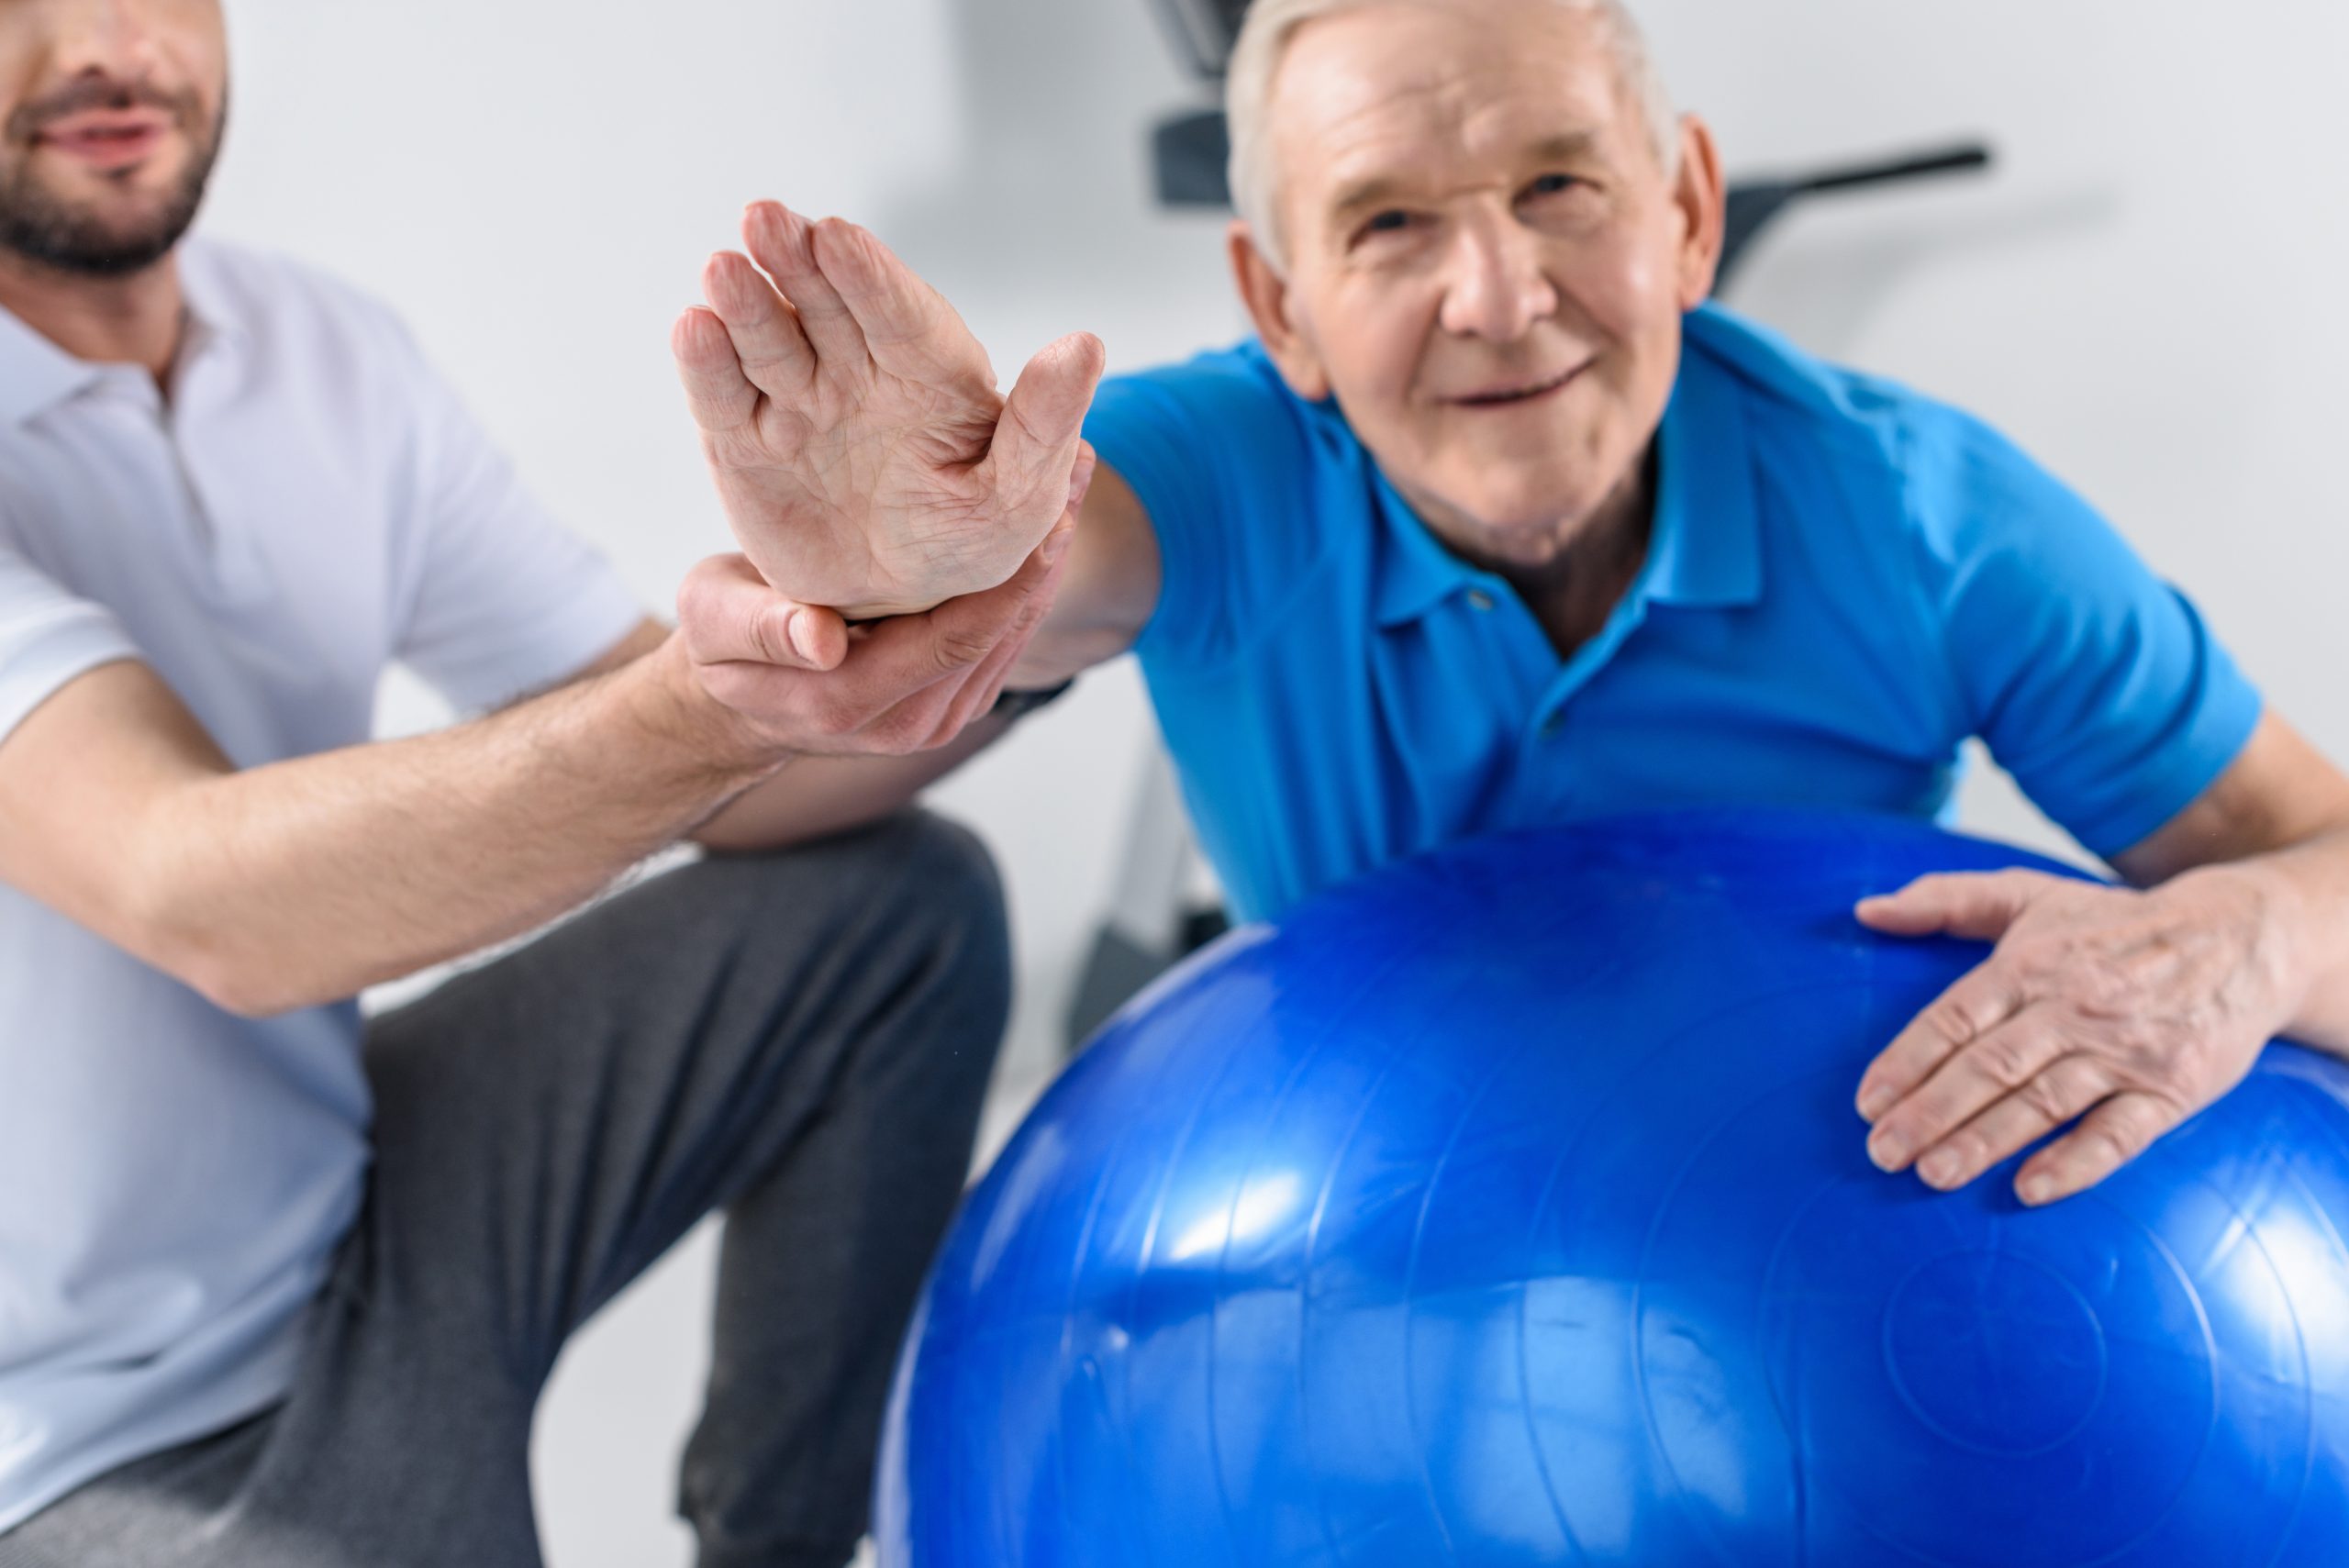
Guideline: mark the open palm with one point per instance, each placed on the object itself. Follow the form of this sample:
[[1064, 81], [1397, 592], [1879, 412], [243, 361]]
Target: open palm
[[861, 451]]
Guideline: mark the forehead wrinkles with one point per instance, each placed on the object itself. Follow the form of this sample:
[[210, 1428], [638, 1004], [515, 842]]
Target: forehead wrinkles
[[1338, 123], [1415, 129]]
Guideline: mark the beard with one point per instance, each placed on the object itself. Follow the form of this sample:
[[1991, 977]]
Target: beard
[[53, 232]]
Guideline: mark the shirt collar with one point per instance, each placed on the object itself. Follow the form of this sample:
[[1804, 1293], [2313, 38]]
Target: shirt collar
[[36, 375], [1415, 572], [212, 316], [1706, 550]]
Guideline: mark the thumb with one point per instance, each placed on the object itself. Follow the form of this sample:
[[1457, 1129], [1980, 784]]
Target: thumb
[[728, 615], [1037, 439], [1975, 905]]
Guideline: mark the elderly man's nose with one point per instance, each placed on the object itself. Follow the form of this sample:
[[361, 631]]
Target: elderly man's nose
[[1498, 289]]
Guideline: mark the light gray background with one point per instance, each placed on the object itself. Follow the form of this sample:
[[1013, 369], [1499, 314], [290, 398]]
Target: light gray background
[[2147, 296]]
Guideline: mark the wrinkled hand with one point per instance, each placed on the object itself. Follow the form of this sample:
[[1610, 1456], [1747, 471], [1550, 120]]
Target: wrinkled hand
[[2125, 1011], [808, 684], [852, 422]]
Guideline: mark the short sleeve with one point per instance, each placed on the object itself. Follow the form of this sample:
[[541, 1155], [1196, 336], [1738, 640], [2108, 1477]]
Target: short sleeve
[[48, 638], [504, 599], [2097, 684], [1221, 456]]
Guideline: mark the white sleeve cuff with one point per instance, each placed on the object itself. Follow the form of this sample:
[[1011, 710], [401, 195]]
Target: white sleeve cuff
[[40, 653]]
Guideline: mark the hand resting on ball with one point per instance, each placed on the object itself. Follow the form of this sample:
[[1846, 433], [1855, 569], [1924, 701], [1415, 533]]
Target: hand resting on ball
[[2127, 1011]]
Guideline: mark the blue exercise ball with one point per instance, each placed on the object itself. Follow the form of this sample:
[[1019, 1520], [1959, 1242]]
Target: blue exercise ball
[[1508, 1207]]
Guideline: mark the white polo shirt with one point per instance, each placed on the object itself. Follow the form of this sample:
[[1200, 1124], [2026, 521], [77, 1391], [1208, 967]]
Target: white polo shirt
[[311, 504]]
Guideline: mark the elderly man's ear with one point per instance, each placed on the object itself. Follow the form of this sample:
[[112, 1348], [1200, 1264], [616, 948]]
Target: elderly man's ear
[[1266, 295], [1701, 197]]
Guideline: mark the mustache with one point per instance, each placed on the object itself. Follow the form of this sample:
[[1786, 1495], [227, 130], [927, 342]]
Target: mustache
[[89, 93]]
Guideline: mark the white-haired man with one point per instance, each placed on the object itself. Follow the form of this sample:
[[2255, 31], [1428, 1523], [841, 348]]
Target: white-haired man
[[279, 1287], [1498, 523]]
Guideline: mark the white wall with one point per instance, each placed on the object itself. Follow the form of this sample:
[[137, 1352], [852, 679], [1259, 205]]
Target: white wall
[[2146, 296]]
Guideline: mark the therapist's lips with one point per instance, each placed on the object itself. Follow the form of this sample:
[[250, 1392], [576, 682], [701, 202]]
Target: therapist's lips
[[107, 139]]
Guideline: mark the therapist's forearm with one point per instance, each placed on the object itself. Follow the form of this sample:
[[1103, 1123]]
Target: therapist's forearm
[[819, 797], [304, 881]]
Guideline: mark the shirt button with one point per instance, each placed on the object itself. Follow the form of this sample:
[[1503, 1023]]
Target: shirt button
[[1481, 599], [1554, 726]]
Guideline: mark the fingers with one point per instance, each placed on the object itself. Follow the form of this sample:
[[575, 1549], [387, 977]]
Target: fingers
[[897, 659], [2069, 1088], [902, 685], [1978, 906], [2110, 1137], [977, 693], [900, 315], [880, 701], [728, 615], [782, 242], [916, 682], [1969, 1009], [1080, 478], [720, 396], [987, 683], [2004, 1059], [1037, 440], [768, 343]]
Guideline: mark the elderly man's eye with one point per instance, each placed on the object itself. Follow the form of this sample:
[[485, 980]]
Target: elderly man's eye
[[1552, 185], [1384, 226]]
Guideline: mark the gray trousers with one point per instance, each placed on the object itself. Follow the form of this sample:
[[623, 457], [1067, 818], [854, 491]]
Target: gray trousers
[[801, 1040]]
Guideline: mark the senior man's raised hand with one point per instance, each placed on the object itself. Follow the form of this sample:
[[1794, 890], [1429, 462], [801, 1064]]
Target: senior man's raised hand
[[863, 454]]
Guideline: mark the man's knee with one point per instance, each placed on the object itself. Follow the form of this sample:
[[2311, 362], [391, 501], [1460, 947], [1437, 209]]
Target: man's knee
[[936, 884], [941, 868], [915, 896], [913, 871]]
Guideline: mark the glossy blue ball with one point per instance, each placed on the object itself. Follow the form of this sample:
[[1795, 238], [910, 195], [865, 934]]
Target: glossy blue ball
[[1509, 1207]]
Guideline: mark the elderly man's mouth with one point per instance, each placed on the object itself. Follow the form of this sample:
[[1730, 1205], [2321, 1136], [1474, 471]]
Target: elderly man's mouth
[[1509, 398]]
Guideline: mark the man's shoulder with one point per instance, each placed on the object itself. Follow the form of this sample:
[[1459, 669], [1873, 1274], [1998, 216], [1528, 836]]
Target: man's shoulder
[[1797, 396], [1876, 436], [1230, 404], [1254, 493], [1242, 371], [1222, 438]]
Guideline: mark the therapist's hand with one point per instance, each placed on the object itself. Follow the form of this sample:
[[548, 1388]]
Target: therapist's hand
[[860, 449], [2127, 1012], [801, 682]]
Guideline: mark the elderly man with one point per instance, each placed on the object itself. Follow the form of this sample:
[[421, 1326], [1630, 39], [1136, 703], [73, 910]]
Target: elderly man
[[1497, 522], [278, 1288]]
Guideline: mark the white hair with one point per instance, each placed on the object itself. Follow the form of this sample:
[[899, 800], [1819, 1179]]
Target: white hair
[[1264, 41]]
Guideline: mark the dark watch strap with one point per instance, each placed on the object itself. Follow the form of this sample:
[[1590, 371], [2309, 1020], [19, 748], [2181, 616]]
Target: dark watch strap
[[1013, 707]]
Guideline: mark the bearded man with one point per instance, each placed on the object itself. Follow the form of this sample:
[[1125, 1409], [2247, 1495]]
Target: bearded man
[[279, 1286]]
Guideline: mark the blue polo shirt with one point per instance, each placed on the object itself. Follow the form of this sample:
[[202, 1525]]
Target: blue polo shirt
[[1844, 582]]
